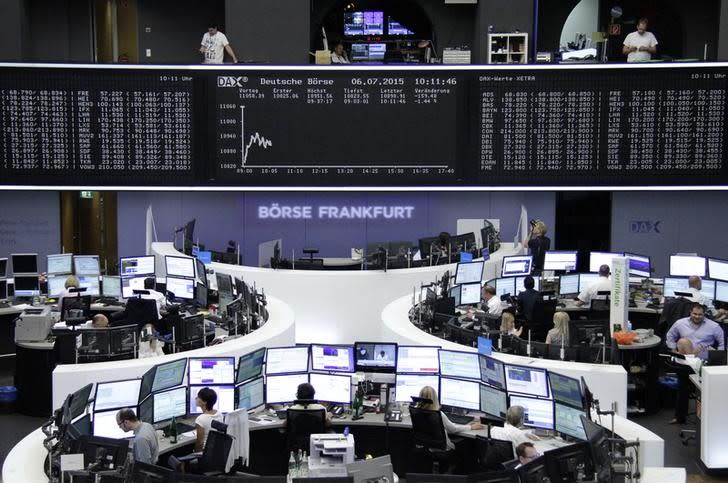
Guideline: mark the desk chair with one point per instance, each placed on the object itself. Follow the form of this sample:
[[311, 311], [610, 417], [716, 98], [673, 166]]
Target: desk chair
[[301, 424], [673, 310], [492, 453], [146, 473], [599, 309], [213, 459], [541, 322], [430, 439], [141, 311]]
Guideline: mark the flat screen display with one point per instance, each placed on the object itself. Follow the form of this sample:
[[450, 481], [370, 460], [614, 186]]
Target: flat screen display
[[169, 374], [396, 28], [380, 357], [62, 263], [86, 265], [334, 358], [708, 289], [169, 404], [597, 259], [26, 285], [566, 390], [520, 286], [569, 284], [182, 288], [586, 280], [493, 402], [469, 272], [418, 360], [674, 284], [505, 286], [492, 371], [3, 267], [136, 266], [460, 394], [105, 425], [639, 265], [527, 380], [718, 269], [212, 370], [408, 385], [459, 364], [111, 286], [56, 285], [567, 420], [470, 293], [250, 365], [225, 399], [250, 395], [280, 360], [516, 266], [91, 283], [370, 22], [562, 261], [282, 388], [331, 387], [180, 266], [117, 394], [128, 285], [24, 262], [537, 413], [721, 291], [687, 265]]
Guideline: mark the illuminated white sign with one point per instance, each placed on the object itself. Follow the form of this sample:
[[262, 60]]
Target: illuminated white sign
[[332, 212]]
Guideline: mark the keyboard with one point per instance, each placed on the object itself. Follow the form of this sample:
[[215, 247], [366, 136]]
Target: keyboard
[[181, 428], [459, 418]]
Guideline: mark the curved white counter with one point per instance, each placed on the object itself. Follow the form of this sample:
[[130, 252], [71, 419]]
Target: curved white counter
[[339, 306], [278, 331]]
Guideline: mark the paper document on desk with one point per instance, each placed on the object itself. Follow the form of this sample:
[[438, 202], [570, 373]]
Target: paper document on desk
[[190, 434]]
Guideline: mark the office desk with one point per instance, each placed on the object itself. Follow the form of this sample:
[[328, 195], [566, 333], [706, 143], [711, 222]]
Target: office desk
[[7, 337], [713, 385]]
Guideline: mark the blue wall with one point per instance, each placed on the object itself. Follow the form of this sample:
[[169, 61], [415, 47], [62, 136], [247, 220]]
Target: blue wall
[[234, 216]]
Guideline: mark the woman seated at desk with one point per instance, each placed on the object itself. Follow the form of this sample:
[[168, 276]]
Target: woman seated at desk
[[428, 392], [508, 325], [206, 399], [559, 335]]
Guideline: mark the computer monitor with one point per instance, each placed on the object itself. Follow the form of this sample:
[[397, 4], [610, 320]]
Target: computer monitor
[[24, 262], [708, 289], [718, 269], [413, 359], [182, 288], [469, 294], [469, 272], [375, 356], [454, 293], [56, 285], [721, 292], [163, 376], [569, 463], [492, 371], [282, 388], [165, 405], [569, 285], [250, 395], [191, 330], [225, 399], [129, 284], [200, 270], [395, 28], [359, 52], [180, 266], [105, 425], [408, 385], [639, 265], [458, 393], [597, 259], [520, 284], [687, 265], [142, 266], [370, 22], [281, 360], [377, 51], [201, 296], [599, 443], [116, 450], [333, 358], [26, 285], [527, 380], [516, 266], [493, 401], [224, 289], [211, 370], [674, 284], [566, 390], [79, 401], [332, 388], [116, 394], [3, 267], [3, 289], [567, 421], [250, 365], [86, 265], [459, 364], [564, 261], [537, 413], [111, 286], [91, 284], [59, 264], [589, 332], [505, 286], [70, 304], [586, 280]]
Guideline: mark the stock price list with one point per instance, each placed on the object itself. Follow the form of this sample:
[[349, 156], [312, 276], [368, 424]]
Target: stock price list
[[592, 127], [338, 128], [71, 126]]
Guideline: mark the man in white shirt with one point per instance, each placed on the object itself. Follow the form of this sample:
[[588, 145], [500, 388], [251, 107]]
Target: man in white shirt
[[640, 44], [603, 284], [158, 297], [492, 301], [695, 285], [511, 430], [213, 46]]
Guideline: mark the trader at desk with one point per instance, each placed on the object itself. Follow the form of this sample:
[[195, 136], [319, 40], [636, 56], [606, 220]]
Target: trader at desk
[[99, 321], [603, 284], [492, 301], [511, 430], [528, 298], [704, 334], [149, 286]]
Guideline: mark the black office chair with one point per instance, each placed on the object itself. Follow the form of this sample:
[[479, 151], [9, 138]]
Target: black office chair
[[213, 459], [542, 320], [301, 424], [600, 307], [673, 310], [141, 312], [146, 473], [430, 439], [492, 453]]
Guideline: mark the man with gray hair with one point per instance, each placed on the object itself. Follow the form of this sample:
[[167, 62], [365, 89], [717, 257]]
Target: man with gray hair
[[145, 446], [511, 430]]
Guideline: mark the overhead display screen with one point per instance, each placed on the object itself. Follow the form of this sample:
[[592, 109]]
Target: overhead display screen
[[495, 126]]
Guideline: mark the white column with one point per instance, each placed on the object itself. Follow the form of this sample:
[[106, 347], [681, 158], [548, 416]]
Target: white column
[[619, 303]]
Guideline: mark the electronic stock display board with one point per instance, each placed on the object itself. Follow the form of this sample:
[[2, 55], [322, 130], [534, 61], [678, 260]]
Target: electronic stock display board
[[530, 126]]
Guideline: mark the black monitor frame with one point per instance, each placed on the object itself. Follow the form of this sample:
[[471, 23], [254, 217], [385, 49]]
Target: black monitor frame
[[534, 471], [338, 346], [561, 463], [79, 400], [230, 359], [110, 408], [149, 378], [529, 368], [250, 355], [458, 376], [88, 445], [580, 329], [25, 259], [495, 384], [150, 403], [245, 383], [555, 376], [375, 368]]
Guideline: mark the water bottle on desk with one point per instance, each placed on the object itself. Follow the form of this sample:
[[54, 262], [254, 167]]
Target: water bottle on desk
[[173, 431]]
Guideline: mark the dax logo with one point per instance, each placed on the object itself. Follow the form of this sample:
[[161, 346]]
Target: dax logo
[[231, 81], [644, 226]]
